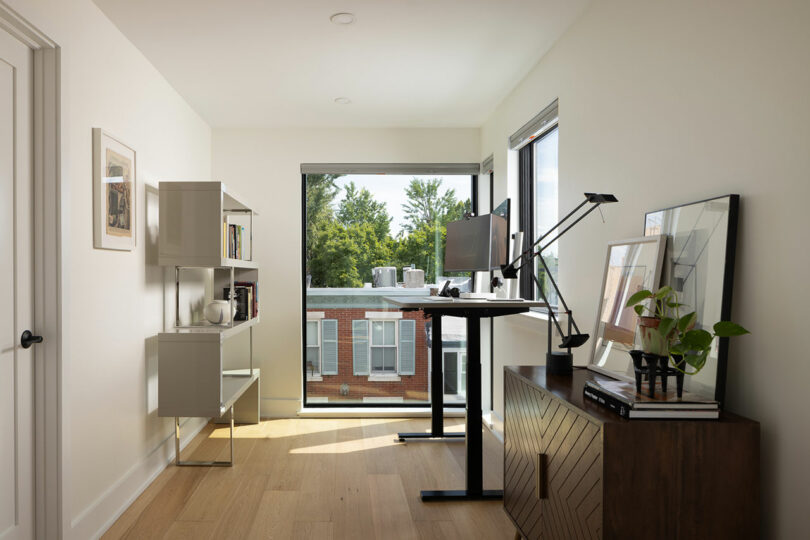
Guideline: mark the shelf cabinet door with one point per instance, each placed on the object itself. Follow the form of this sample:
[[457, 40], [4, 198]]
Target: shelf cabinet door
[[524, 411], [552, 465], [572, 446]]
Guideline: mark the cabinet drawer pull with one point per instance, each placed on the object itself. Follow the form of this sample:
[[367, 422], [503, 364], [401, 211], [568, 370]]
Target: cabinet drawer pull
[[540, 476]]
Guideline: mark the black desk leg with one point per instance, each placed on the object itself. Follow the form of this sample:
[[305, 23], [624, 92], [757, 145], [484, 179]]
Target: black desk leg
[[436, 390], [475, 440]]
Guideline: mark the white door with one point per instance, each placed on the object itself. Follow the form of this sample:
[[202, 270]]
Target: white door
[[16, 290]]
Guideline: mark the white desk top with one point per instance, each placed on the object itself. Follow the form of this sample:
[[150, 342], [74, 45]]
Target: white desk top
[[427, 302]]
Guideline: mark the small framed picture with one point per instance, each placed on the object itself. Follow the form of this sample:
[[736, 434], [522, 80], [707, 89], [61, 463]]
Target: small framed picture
[[113, 193]]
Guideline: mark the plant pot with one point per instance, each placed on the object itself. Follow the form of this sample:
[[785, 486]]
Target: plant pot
[[651, 341]]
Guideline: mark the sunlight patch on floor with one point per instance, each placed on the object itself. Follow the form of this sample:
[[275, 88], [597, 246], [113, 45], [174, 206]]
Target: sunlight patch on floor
[[291, 427], [345, 447]]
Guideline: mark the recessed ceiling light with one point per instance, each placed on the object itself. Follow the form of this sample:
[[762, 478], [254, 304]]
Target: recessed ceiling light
[[342, 100], [342, 18]]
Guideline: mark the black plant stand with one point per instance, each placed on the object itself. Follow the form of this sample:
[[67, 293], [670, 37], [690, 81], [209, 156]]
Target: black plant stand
[[657, 366]]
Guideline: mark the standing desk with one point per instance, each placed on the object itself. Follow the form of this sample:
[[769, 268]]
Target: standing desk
[[473, 311]]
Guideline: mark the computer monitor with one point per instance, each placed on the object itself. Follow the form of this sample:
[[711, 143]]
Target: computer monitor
[[476, 244]]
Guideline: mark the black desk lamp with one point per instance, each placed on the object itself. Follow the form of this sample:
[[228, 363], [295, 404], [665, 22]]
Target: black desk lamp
[[558, 362]]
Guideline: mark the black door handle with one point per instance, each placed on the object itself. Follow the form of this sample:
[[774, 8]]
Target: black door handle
[[29, 339]]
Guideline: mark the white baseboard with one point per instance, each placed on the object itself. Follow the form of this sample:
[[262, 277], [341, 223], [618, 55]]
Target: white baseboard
[[280, 407], [374, 412], [93, 521]]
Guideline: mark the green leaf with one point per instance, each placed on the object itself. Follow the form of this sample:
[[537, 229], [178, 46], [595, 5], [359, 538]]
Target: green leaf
[[639, 310], [697, 340], [686, 321], [665, 326], [678, 348], [729, 329], [663, 292], [697, 361], [638, 297], [674, 305]]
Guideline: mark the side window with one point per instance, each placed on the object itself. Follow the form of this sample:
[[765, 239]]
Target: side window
[[313, 352], [383, 347]]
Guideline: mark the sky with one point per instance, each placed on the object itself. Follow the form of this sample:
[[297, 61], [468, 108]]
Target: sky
[[390, 189]]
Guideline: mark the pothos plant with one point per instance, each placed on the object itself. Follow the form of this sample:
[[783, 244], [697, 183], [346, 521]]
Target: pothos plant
[[668, 333]]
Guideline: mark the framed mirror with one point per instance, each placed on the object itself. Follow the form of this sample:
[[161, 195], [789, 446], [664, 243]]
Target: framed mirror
[[630, 266], [699, 265]]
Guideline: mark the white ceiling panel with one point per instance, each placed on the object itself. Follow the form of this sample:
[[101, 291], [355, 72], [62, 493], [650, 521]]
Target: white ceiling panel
[[414, 63]]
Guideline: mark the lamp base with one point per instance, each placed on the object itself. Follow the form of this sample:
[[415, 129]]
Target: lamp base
[[559, 363]]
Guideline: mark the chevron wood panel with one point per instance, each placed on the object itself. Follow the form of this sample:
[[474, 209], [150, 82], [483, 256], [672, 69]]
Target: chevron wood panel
[[537, 422]]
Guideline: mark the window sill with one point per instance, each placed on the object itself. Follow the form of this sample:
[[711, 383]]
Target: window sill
[[384, 378], [538, 315], [314, 378]]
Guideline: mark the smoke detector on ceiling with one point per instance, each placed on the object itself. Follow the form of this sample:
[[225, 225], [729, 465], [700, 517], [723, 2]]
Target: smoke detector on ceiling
[[342, 100]]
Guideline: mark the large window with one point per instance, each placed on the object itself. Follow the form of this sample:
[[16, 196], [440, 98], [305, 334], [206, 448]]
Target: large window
[[538, 186], [363, 233], [544, 174]]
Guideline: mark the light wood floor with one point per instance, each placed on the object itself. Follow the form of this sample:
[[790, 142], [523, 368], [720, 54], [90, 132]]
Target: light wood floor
[[318, 478]]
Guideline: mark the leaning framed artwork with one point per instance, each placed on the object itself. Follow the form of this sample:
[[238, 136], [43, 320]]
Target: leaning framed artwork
[[630, 266], [114, 193]]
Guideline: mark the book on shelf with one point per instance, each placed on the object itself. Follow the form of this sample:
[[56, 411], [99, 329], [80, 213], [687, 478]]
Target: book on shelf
[[246, 300], [626, 392], [627, 411], [233, 244], [622, 398]]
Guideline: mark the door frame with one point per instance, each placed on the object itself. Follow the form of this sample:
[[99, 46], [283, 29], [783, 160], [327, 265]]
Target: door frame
[[47, 271]]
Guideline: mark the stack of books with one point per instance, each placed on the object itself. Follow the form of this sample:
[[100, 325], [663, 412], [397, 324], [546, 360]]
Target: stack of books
[[621, 397], [232, 241], [246, 300]]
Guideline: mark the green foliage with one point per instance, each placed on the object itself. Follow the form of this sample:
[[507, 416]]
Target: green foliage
[[675, 335], [333, 260], [426, 206], [343, 245], [320, 192], [359, 207], [423, 247]]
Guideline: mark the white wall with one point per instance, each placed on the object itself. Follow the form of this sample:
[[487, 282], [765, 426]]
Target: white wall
[[264, 165], [113, 301], [664, 103]]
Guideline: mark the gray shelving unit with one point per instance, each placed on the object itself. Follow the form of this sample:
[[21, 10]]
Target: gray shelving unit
[[192, 379]]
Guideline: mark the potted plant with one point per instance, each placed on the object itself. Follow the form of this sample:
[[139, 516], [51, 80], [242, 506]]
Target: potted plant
[[668, 335]]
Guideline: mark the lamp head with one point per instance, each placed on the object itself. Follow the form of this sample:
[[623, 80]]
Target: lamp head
[[601, 197], [509, 271]]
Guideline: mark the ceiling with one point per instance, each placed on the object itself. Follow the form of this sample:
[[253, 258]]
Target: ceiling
[[402, 63]]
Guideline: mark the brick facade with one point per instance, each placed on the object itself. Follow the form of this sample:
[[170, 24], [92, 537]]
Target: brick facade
[[409, 387]]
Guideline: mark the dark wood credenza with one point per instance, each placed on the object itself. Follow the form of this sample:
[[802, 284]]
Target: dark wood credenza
[[573, 469]]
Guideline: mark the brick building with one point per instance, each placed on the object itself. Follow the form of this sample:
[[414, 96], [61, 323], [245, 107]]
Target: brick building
[[361, 349]]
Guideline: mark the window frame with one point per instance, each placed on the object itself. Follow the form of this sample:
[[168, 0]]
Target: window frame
[[317, 376], [461, 374], [410, 168], [526, 207], [371, 371]]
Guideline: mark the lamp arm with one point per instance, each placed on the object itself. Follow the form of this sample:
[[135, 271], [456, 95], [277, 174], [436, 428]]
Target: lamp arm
[[563, 220], [530, 254], [559, 295], [580, 218], [548, 306]]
